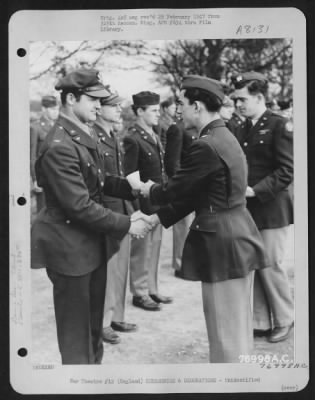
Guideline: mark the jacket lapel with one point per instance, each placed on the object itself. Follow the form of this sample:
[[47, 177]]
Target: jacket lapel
[[260, 124], [145, 135], [103, 136], [77, 134]]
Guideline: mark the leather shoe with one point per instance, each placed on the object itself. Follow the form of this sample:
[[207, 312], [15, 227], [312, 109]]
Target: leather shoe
[[158, 298], [146, 303], [123, 326], [110, 336], [261, 332], [280, 333]]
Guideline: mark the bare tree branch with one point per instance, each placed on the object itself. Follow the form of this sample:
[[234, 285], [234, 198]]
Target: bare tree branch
[[59, 60]]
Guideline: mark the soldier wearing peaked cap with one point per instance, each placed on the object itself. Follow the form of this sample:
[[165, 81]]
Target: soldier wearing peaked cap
[[68, 234], [223, 247], [266, 139], [117, 267], [39, 130], [144, 153]]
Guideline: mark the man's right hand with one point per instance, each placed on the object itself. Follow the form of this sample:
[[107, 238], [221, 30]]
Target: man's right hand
[[139, 228]]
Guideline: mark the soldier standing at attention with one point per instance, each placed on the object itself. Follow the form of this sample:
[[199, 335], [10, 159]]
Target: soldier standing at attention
[[168, 112], [39, 130], [68, 235], [266, 139], [118, 263], [144, 153], [178, 141], [223, 247]]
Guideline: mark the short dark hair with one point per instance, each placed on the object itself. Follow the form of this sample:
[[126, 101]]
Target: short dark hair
[[211, 101], [253, 87], [136, 108], [63, 95], [167, 103]]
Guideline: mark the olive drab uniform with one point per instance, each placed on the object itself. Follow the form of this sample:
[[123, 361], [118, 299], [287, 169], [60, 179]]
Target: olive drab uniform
[[223, 245], [178, 141], [68, 236], [268, 146], [235, 123], [144, 153], [39, 131], [118, 250]]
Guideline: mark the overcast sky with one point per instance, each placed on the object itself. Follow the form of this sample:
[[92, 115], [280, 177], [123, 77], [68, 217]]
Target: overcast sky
[[127, 74]]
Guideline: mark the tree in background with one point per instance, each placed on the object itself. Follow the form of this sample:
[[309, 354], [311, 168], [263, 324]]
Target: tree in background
[[223, 58], [169, 60]]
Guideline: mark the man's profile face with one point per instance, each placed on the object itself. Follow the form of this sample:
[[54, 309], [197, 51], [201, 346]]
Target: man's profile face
[[86, 108], [51, 112], [226, 112], [111, 113], [186, 111], [171, 110], [247, 104], [150, 115]]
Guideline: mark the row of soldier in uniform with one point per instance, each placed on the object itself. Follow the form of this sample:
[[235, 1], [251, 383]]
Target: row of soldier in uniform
[[205, 169]]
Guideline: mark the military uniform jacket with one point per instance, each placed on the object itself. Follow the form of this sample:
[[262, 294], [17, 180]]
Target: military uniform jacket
[[223, 242], [112, 163], [144, 154], [68, 234], [39, 131], [178, 141], [268, 149], [235, 123]]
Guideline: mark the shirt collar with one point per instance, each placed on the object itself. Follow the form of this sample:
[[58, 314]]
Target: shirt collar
[[84, 127]]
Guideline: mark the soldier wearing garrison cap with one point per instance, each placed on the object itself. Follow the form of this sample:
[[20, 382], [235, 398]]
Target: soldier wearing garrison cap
[[39, 130], [117, 267], [144, 154], [223, 247], [267, 141], [68, 236]]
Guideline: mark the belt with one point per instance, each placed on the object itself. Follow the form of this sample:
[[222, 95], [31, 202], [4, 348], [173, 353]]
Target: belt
[[216, 210]]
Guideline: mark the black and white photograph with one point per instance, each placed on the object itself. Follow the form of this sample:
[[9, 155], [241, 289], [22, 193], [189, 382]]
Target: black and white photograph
[[163, 207]]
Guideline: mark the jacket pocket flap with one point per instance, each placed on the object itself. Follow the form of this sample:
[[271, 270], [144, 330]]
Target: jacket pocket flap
[[205, 223]]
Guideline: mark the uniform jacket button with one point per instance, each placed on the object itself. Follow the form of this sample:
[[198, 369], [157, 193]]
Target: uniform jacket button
[[261, 141], [68, 221], [245, 144], [197, 226]]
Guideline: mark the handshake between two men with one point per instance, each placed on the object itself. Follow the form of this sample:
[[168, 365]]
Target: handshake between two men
[[141, 223]]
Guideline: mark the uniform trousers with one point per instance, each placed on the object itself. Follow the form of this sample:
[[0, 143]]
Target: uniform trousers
[[227, 307], [79, 308], [116, 285], [273, 303], [180, 232], [144, 262]]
